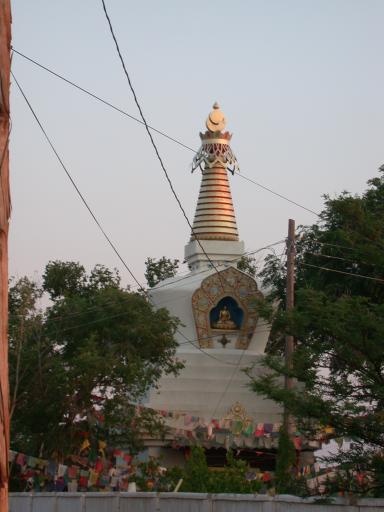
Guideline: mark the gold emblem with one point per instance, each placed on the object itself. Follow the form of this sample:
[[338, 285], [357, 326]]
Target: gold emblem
[[216, 120]]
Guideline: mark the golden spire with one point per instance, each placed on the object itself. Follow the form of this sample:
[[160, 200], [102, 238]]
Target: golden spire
[[215, 217]]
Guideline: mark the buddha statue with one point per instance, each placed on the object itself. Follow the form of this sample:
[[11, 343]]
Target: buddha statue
[[224, 321]]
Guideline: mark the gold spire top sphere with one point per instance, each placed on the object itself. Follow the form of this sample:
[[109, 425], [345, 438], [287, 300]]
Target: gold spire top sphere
[[216, 120]]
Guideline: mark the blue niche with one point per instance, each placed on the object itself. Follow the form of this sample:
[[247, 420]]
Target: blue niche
[[226, 315]]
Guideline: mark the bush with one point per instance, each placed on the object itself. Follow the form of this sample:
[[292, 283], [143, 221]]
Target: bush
[[196, 473], [233, 478]]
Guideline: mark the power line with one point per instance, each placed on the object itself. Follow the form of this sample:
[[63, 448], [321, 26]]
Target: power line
[[110, 317], [209, 337], [277, 194], [156, 304], [321, 255], [336, 245], [205, 352], [235, 370], [89, 208], [92, 214], [188, 341], [74, 184], [160, 132], [230, 261], [117, 315], [98, 98], [342, 272], [170, 183], [339, 258], [153, 142], [237, 366], [96, 220], [147, 292]]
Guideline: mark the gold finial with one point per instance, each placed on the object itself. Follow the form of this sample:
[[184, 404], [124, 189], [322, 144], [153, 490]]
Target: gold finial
[[216, 120], [215, 149]]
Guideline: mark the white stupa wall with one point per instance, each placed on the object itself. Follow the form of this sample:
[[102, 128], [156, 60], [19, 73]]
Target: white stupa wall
[[199, 389]]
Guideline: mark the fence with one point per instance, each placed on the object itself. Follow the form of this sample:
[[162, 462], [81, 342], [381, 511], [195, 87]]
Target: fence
[[180, 502]]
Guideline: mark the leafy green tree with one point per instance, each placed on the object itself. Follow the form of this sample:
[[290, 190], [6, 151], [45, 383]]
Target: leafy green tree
[[35, 372], [63, 278], [197, 477], [338, 325], [83, 363], [151, 476], [248, 265], [158, 270], [234, 478], [196, 472], [285, 477]]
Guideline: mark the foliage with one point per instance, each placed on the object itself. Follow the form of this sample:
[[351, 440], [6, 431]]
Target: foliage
[[232, 479], [286, 479], [338, 325], [285, 463], [151, 476], [247, 264], [158, 270], [196, 472], [82, 363]]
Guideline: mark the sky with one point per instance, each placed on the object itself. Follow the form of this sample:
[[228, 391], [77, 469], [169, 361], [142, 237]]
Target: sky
[[301, 83]]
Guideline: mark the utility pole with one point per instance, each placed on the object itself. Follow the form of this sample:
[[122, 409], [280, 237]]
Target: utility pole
[[5, 209], [290, 302]]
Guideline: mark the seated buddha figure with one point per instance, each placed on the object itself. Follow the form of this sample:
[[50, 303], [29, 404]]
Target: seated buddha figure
[[224, 321]]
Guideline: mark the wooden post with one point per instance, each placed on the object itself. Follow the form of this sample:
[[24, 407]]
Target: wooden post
[[5, 207], [290, 301]]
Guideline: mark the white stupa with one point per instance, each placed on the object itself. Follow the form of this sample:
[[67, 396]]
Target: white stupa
[[220, 332]]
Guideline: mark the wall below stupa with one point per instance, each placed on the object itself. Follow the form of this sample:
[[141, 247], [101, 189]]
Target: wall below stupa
[[207, 388]]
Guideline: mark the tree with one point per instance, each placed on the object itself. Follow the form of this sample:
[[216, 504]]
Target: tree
[[197, 477], [285, 477], [81, 365], [196, 472], [338, 325], [234, 478], [248, 265], [158, 270]]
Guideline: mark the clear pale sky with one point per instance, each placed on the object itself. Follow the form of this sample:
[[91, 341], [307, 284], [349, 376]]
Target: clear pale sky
[[301, 83]]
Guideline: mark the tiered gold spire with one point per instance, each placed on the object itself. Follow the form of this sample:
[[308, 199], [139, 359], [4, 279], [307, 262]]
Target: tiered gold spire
[[215, 216]]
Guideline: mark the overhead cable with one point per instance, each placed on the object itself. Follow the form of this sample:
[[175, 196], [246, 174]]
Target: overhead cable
[[98, 98], [277, 194], [230, 380], [79, 193], [153, 142], [94, 216], [249, 253], [360, 276], [160, 132]]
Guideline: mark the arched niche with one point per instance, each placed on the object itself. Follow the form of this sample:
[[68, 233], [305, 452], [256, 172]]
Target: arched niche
[[220, 288]]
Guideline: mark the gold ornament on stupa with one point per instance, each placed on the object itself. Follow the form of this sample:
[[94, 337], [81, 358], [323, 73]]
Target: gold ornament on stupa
[[215, 150], [216, 120]]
